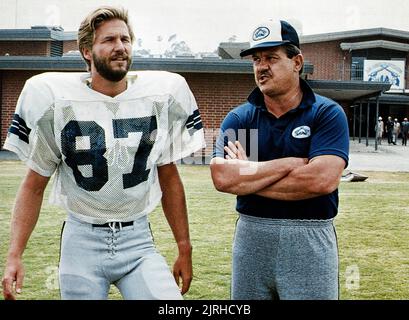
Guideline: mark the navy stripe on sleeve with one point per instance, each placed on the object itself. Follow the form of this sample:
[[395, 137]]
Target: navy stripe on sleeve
[[194, 122], [19, 128]]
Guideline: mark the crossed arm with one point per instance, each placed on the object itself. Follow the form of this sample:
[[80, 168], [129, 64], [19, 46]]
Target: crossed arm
[[280, 179]]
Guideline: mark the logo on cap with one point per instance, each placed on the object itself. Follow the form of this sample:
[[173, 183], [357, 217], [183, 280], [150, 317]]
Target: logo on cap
[[260, 33]]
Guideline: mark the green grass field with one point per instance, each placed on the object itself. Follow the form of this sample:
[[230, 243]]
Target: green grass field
[[372, 228]]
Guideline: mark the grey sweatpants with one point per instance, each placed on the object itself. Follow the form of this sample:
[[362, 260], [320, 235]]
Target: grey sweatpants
[[284, 259]]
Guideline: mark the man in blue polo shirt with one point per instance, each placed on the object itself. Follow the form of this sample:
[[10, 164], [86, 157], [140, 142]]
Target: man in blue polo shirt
[[282, 153]]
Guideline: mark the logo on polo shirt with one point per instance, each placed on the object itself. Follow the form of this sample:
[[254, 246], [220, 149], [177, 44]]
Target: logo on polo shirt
[[301, 132], [260, 33]]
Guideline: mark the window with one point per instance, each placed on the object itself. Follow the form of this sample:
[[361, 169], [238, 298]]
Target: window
[[357, 68]]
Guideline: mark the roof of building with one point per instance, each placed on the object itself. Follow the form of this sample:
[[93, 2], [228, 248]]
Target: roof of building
[[373, 32], [375, 44], [336, 90], [74, 62], [231, 50], [37, 33], [228, 51]]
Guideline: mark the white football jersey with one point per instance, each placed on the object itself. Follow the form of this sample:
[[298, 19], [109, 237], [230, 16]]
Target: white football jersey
[[105, 151]]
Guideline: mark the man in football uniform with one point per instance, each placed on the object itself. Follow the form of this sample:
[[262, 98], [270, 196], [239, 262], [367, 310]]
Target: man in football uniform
[[112, 138]]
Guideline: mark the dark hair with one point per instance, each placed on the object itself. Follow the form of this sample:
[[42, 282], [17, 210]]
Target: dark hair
[[292, 51]]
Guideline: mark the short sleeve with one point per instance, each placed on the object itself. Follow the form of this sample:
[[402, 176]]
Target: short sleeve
[[228, 132], [31, 133], [330, 134], [185, 127]]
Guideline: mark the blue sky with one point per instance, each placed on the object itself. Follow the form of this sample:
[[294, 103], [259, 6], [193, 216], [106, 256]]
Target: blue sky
[[204, 24]]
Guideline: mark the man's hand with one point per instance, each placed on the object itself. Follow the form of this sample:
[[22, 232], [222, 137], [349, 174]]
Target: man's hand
[[25, 214], [319, 177], [237, 175], [183, 269], [235, 151], [12, 281]]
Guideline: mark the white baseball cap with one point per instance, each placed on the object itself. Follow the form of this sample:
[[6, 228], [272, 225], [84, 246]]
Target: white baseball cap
[[271, 34]]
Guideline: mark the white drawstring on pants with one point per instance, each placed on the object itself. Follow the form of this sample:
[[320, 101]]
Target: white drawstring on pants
[[112, 225]]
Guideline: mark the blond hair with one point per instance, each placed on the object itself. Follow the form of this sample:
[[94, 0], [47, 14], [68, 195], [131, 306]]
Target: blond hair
[[86, 31]]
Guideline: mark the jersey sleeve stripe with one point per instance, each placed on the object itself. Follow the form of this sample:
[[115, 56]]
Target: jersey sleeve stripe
[[194, 122], [19, 128]]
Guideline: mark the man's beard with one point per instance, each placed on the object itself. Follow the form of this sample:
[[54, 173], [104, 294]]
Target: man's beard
[[105, 70]]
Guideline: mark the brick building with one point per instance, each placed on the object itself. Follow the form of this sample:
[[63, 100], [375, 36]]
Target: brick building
[[343, 55], [333, 68]]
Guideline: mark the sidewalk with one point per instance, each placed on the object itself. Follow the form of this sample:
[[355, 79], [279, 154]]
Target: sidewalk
[[361, 157], [386, 158]]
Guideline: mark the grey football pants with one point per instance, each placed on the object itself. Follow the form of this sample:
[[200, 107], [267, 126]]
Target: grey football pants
[[93, 258], [284, 259]]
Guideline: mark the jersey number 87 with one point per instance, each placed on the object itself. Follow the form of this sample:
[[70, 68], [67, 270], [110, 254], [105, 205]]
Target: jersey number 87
[[94, 156]]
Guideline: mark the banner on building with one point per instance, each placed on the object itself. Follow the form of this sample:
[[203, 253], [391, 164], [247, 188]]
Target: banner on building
[[389, 71]]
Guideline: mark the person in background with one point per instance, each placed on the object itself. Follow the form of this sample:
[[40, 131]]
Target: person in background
[[389, 129], [395, 131], [405, 131], [379, 130]]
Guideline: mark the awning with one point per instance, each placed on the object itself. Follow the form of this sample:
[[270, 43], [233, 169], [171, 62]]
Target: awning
[[399, 46], [393, 99], [348, 90]]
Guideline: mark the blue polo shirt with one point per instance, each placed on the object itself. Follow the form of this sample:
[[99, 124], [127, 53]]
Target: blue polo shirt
[[318, 126]]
